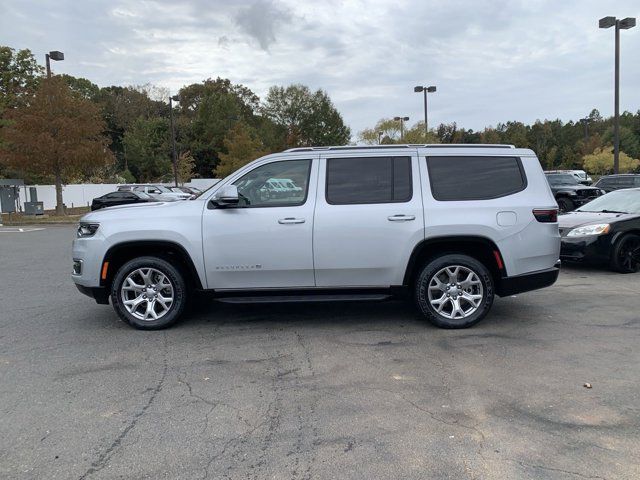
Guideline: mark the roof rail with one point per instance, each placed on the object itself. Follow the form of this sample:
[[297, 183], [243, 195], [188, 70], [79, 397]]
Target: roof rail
[[411, 145]]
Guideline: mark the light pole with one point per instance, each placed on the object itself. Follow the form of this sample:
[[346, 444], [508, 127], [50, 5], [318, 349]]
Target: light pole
[[426, 90], [585, 121], [401, 120], [175, 98], [53, 55], [624, 24]]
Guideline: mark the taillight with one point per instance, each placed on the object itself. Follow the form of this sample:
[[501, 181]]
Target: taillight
[[546, 215]]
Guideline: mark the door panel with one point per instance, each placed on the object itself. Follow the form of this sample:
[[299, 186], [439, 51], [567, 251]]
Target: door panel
[[366, 244], [265, 242]]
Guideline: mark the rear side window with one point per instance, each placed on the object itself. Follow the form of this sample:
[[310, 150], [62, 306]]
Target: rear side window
[[475, 178], [368, 180]]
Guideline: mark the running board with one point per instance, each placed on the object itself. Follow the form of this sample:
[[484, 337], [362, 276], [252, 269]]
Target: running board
[[306, 298]]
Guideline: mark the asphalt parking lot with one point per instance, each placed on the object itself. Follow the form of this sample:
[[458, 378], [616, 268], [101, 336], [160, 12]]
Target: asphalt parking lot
[[366, 391]]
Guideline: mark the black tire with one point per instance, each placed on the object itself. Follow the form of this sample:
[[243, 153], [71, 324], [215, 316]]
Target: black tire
[[177, 283], [625, 256], [444, 319], [565, 204]]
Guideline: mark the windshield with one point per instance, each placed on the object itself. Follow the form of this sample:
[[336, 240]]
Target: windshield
[[562, 179], [162, 188], [143, 195], [624, 201]]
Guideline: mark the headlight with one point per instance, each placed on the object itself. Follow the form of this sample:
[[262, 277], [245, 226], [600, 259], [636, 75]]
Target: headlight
[[598, 229], [87, 230]]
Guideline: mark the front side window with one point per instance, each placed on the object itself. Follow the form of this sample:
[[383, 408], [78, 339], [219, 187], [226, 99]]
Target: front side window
[[475, 178], [259, 187], [368, 180]]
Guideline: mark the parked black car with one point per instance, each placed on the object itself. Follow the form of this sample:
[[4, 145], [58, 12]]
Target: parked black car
[[609, 183], [120, 198], [569, 192], [606, 231]]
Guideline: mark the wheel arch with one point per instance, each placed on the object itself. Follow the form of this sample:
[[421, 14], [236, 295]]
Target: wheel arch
[[481, 248], [167, 250]]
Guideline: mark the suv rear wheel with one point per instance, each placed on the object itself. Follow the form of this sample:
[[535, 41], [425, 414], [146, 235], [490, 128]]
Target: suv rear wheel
[[454, 291], [148, 293]]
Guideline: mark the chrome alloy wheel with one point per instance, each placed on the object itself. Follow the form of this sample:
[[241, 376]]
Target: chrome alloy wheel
[[455, 292], [147, 294]]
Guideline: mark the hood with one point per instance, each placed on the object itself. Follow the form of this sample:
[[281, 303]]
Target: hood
[[146, 208], [578, 219]]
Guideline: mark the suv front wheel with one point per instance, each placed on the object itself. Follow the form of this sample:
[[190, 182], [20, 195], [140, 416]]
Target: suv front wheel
[[454, 291], [148, 293]]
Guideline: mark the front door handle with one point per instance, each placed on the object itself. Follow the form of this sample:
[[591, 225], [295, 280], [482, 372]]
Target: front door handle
[[290, 220], [401, 218]]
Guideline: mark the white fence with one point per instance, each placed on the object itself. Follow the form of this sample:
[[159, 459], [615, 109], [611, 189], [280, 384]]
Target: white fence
[[81, 195]]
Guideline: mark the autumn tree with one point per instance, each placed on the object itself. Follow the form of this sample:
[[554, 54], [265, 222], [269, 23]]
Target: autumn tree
[[387, 131], [242, 147], [310, 118], [600, 162], [56, 134], [185, 167]]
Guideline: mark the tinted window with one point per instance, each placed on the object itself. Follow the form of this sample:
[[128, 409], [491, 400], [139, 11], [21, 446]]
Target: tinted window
[[368, 180], [562, 179], [475, 178], [260, 187]]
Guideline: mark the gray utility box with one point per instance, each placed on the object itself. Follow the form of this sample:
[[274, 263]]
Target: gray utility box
[[34, 208], [7, 199]]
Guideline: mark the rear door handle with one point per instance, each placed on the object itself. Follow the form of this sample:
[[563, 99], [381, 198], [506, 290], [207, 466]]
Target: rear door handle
[[289, 220], [401, 218]]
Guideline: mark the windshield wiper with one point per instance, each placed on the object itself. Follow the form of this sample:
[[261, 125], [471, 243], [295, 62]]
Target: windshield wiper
[[611, 211]]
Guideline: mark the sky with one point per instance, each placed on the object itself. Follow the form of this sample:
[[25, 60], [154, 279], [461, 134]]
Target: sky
[[491, 61]]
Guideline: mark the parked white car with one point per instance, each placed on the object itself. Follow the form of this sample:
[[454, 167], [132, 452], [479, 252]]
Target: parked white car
[[159, 192], [449, 225]]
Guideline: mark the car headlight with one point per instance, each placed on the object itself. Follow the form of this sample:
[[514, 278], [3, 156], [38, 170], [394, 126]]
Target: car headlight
[[87, 229], [598, 229]]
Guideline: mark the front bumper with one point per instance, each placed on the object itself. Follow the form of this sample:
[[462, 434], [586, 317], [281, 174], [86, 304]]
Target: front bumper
[[528, 281], [592, 248], [99, 294]]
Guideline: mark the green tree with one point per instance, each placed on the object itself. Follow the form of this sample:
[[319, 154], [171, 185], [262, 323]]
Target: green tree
[[56, 134], [242, 147], [82, 87], [148, 152], [20, 76], [310, 119], [600, 162]]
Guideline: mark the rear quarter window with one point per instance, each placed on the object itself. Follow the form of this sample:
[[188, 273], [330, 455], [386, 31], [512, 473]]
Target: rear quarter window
[[455, 178]]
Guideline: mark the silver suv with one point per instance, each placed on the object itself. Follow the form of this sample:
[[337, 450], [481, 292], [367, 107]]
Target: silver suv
[[450, 225]]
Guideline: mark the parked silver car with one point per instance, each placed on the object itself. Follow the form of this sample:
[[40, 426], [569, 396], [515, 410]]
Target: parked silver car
[[450, 225], [159, 192]]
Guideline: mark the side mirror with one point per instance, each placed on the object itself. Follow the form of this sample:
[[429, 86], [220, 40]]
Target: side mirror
[[226, 196]]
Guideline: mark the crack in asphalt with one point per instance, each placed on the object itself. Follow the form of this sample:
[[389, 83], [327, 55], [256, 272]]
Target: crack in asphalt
[[569, 472], [106, 455]]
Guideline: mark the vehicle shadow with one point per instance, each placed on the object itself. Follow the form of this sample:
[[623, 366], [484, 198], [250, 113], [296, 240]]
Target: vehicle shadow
[[395, 313]]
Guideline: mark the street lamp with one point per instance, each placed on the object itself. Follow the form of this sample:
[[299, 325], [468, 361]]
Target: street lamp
[[175, 98], [426, 90], [585, 121], [401, 120], [624, 24], [53, 55]]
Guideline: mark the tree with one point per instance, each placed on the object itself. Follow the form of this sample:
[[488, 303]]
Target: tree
[[185, 167], [242, 147], [600, 162], [148, 152], [310, 119], [387, 131], [20, 76], [57, 134], [82, 87]]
